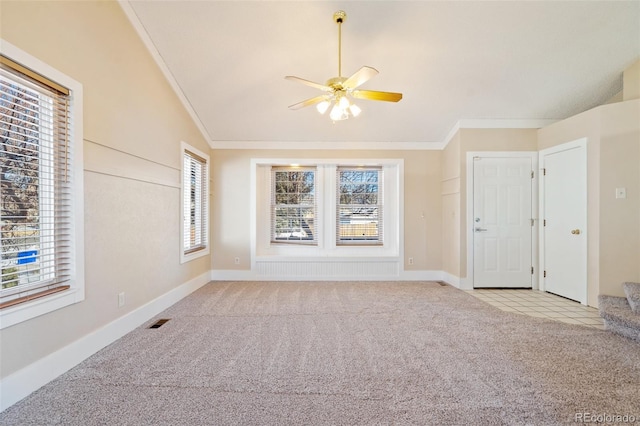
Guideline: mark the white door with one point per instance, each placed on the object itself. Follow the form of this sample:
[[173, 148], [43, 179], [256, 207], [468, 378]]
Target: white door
[[564, 215], [502, 222]]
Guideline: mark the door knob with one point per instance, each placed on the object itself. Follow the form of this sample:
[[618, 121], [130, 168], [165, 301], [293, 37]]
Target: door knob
[[480, 229], [575, 231]]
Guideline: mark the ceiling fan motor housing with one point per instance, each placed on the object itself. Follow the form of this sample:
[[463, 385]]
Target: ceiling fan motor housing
[[340, 16]]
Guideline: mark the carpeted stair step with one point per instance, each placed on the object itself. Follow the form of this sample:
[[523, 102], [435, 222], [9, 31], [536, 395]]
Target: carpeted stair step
[[632, 290], [618, 317]]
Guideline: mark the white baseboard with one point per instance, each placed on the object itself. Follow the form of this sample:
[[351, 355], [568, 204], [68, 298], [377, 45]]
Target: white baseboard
[[451, 279], [233, 275], [466, 283], [421, 275], [20, 384]]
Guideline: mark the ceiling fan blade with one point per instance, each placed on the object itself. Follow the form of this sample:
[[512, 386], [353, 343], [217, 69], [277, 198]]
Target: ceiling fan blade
[[309, 83], [311, 101], [359, 77], [372, 95]]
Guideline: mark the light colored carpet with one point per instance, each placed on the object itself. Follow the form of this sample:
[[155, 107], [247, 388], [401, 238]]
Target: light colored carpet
[[309, 353]]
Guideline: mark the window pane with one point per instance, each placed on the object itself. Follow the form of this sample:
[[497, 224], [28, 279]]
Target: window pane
[[34, 163], [194, 203], [359, 215], [294, 206]]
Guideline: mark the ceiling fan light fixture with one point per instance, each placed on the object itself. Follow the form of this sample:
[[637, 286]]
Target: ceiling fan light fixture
[[344, 102], [337, 88], [338, 113], [323, 106]]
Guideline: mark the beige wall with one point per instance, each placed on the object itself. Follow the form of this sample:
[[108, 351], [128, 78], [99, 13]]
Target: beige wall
[[454, 180], [631, 82], [231, 202], [133, 125]]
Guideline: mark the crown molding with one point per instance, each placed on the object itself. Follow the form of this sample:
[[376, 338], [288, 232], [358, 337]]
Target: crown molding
[[322, 145]]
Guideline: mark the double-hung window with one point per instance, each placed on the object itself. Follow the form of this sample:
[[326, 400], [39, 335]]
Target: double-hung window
[[40, 181], [293, 205], [326, 209], [359, 206], [195, 203]]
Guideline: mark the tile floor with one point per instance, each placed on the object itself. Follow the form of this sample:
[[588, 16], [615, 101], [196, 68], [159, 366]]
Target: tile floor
[[540, 304]]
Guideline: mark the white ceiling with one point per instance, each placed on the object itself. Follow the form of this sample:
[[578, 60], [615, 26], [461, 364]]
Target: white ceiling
[[476, 60]]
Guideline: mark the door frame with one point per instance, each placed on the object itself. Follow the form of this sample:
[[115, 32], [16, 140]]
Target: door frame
[[467, 283], [578, 143]]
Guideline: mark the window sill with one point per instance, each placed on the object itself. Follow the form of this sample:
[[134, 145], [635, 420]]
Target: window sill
[[34, 308], [187, 257]]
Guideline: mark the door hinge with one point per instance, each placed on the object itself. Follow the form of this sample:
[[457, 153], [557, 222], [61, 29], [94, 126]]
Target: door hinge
[[532, 222], [531, 174], [544, 274], [532, 270], [544, 172], [544, 222]]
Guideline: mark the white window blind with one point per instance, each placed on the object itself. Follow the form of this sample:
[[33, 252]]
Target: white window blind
[[36, 180], [359, 206], [195, 200], [293, 205]]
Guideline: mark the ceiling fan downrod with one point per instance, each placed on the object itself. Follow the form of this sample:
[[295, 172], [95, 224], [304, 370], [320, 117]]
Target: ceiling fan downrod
[[340, 16]]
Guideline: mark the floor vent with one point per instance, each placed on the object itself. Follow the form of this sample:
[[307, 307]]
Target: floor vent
[[159, 323]]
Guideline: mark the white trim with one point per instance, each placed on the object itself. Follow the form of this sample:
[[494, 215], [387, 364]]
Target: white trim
[[451, 279], [322, 145], [37, 307], [492, 123], [146, 40], [184, 147], [467, 283], [393, 200], [20, 384], [408, 146]]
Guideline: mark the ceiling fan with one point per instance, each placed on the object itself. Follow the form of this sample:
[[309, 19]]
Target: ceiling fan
[[339, 89]]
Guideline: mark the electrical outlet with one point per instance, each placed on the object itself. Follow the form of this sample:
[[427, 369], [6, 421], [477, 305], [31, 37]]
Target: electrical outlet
[[236, 260], [120, 300], [411, 261]]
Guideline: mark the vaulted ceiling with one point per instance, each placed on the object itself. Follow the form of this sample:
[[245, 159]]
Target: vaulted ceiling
[[503, 61]]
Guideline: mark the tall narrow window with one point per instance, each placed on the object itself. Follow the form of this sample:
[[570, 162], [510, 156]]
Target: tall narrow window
[[359, 206], [36, 179], [195, 205], [293, 205]]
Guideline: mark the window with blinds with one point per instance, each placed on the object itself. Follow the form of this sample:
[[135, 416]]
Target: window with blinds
[[195, 202], [36, 180], [293, 205], [359, 206]]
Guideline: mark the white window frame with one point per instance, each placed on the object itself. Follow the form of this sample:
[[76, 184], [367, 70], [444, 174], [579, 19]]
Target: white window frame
[[326, 184], [186, 254], [275, 205], [76, 293], [379, 240]]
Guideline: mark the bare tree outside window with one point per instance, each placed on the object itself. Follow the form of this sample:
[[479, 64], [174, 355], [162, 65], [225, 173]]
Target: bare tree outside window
[[19, 180], [293, 205], [359, 213]]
